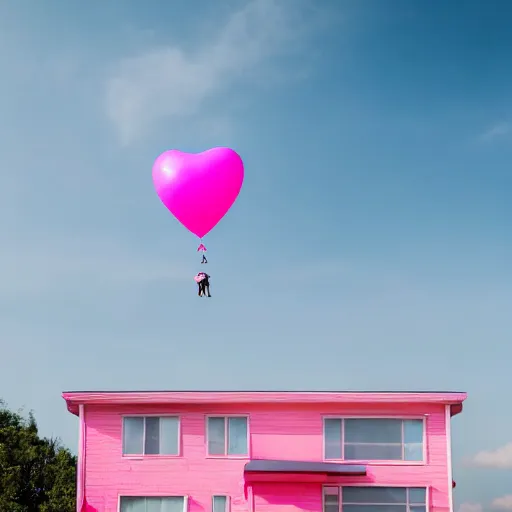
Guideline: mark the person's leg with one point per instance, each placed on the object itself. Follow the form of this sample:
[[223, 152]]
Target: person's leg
[[199, 288], [207, 287]]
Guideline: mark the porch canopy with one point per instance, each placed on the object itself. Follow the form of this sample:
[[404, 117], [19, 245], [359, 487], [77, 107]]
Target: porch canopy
[[298, 471]]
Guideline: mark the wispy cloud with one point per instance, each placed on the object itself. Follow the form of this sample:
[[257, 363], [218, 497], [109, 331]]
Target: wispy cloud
[[470, 507], [503, 503], [93, 264], [500, 458], [496, 131], [170, 82]]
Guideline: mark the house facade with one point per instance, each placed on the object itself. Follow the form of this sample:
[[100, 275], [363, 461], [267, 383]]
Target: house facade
[[181, 451]]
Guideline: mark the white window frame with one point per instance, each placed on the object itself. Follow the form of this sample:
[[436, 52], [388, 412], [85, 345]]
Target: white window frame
[[226, 436], [391, 462], [228, 501], [143, 455], [184, 496], [385, 485]]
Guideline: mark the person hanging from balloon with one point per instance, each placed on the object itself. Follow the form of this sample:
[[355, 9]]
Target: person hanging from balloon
[[199, 189], [203, 282]]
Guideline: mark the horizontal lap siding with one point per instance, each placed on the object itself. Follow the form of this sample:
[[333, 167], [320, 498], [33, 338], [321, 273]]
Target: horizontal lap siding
[[275, 433], [294, 435], [287, 498], [108, 474]]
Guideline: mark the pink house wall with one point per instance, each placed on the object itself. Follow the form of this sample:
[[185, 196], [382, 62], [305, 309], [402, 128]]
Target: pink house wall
[[277, 431]]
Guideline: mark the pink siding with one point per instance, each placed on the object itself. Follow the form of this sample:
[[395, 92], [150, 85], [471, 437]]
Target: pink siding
[[287, 498], [277, 431]]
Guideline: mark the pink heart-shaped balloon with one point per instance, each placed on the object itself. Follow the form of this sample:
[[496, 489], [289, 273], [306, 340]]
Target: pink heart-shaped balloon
[[198, 189]]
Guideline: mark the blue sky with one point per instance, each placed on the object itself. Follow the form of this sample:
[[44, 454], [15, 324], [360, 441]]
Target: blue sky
[[374, 222]]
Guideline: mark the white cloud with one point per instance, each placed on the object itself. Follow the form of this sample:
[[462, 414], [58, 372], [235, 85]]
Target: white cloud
[[470, 507], [496, 131], [503, 503], [169, 82], [500, 458]]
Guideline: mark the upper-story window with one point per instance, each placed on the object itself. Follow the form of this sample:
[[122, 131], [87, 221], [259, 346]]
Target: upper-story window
[[375, 439], [220, 504], [227, 436], [151, 435], [387, 499], [153, 504]]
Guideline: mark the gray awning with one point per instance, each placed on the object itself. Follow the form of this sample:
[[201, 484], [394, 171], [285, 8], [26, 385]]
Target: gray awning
[[292, 466]]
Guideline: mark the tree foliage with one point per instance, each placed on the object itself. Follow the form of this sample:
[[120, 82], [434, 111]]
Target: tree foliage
[[36, 474]]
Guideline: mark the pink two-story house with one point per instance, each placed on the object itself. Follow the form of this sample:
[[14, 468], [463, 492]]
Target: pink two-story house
[[190, 451]]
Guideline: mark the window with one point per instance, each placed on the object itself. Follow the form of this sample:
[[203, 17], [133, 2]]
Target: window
[[375, 499], [227, 436], [152, 504], [220, 504], [373, 439], [151, 435]]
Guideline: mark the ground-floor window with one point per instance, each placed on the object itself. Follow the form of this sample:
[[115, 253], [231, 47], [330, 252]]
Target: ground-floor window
[[152, 504], [375, 499]]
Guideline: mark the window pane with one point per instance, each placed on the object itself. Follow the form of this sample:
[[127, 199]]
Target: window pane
[[219, 504], [332, 438], [373, 452], [376, 430], [389, 495], [413, 431], [133, 436], [152, 443], [216, 436], [417, 495], [169, 438], [331, 502], [374, 508], [237, 436], [153, 504], [418, 508], [129, 504], [173, 504], [413, 451]]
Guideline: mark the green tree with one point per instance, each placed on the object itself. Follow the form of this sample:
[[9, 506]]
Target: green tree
[[36, 474]]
